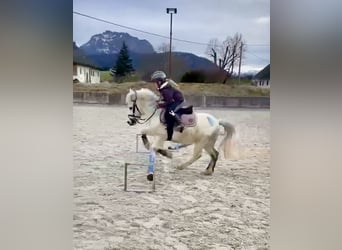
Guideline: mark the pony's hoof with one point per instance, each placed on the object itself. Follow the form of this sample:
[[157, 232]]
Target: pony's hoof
[[168, 154], [207, 172], [165, 153], [150, 177], [180, 167]]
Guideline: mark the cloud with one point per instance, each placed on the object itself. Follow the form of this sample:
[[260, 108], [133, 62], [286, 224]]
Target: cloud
[[263, 20]]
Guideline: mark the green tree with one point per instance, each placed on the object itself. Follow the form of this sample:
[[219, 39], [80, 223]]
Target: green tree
[[194, 76], [123, 65]]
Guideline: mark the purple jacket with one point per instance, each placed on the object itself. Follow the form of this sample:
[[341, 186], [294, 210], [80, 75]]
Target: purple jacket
[[171, 95]]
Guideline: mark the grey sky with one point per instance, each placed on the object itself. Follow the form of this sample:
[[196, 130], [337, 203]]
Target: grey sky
[[196, 20]]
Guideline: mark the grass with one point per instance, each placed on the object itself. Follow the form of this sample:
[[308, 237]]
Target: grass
[[234, 88], [212, 89], [105, 76]]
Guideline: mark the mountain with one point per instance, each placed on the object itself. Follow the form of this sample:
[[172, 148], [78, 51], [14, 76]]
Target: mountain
[[102, 50], [110, 42], [79, 56], [182, 62], [194, 62]]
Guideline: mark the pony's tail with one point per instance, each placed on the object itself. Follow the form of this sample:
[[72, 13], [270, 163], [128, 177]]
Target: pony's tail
[[228, 143]]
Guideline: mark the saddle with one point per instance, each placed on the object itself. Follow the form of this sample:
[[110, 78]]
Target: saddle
[[186, 114], [187, 110]]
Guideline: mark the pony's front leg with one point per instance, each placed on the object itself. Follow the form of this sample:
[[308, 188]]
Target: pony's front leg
[[148, 131], [145, 141], [158, 144]]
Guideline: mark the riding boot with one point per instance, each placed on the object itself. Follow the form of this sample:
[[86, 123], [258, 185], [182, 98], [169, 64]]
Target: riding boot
[[169, 130], [180, 126]]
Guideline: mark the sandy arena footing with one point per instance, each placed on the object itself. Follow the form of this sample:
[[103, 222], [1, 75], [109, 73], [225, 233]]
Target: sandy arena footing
[[228, 210]]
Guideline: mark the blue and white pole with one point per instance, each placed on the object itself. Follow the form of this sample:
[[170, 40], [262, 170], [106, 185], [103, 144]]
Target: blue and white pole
[[151, 165]]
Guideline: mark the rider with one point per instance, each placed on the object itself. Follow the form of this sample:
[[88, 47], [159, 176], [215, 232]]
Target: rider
[[172, 100]]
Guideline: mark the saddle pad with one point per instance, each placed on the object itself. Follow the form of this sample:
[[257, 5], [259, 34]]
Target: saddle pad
[[189, 120]]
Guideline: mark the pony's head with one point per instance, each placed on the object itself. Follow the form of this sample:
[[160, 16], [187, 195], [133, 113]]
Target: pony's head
[[139, 102]]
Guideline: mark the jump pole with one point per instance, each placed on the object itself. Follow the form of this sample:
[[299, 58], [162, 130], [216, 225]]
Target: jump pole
[[126, 175]]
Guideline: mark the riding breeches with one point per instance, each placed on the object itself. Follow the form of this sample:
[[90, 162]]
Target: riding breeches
[[170, 119]]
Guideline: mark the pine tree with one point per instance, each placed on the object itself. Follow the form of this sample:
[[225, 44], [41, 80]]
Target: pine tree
[[123, 65]]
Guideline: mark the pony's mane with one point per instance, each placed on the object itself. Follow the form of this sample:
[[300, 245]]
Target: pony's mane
[[143, 93], [147, 93]]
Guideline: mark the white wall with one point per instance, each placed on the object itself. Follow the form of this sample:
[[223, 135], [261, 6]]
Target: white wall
[[94, 76], [87, 74], [262, 83]]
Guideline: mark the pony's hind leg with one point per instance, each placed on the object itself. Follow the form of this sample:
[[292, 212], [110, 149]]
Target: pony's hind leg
[[196, 155], [214, 156]]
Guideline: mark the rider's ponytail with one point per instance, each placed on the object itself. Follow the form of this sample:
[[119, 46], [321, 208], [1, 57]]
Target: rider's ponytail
[[173, 84]]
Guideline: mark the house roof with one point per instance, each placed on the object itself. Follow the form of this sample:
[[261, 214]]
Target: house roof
[[264, 74], [86, 65]]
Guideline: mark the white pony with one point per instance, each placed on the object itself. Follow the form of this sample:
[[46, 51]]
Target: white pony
[[203, 134]]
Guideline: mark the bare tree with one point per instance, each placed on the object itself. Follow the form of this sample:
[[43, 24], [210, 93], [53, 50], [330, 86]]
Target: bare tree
[[212, 49], [226, 55], [165, 47]]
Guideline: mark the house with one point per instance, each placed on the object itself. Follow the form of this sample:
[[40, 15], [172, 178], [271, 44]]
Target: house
[[85, 73], [262, 78]]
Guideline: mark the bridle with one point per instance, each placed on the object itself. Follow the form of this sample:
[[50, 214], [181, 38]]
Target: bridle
[[136, 118]]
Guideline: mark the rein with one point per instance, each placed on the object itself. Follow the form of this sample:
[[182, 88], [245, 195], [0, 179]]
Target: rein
[[146, 120], [135, 107]]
